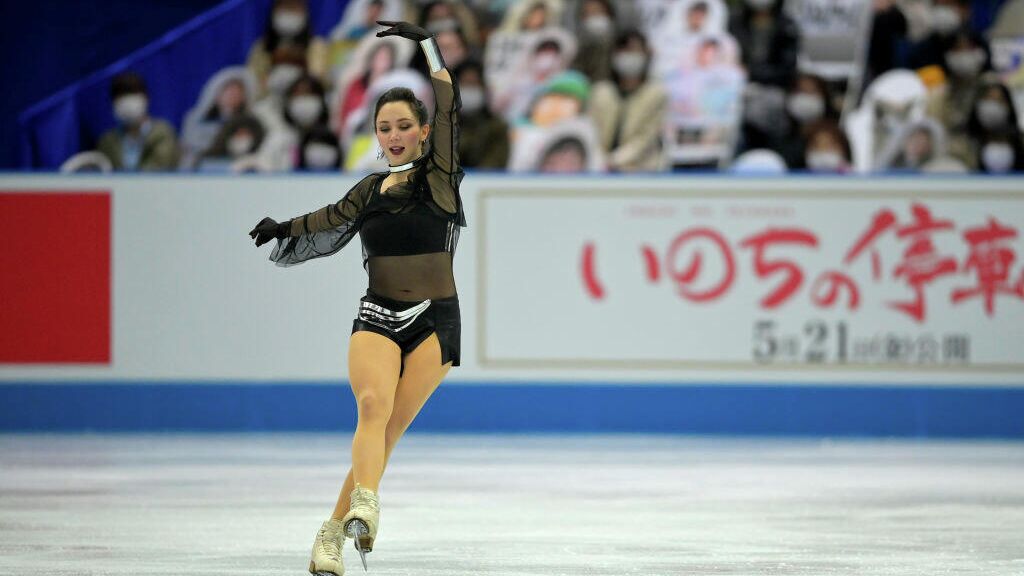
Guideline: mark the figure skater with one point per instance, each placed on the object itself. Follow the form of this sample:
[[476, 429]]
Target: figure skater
[[405, 336]]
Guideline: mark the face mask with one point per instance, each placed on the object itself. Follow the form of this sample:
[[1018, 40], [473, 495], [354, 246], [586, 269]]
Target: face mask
[[824, 161], [282, 77], [805, 107], [760, 4], [992, 115], [600, 25], [945, 20], [305, 110], [320, 156], [131, 108], [288, 23], [965, 63], [240, 145], [997, 157], [473, 99], [443, 25], [629, 64], [546, 63]]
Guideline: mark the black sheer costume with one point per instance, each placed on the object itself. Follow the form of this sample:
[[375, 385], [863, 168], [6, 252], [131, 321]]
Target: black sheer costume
[[409, 232]]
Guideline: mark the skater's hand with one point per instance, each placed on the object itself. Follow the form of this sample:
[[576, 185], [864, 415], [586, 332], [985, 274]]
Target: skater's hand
[[268, 229], [403, 29]]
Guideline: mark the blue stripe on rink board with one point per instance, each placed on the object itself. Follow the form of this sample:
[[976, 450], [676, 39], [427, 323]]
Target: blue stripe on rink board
[[800, 410]]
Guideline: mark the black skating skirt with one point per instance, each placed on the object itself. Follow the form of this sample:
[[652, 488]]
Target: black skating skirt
[[408, 324]]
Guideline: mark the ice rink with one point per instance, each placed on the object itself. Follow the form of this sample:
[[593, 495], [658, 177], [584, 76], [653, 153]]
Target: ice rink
[[461, 505]]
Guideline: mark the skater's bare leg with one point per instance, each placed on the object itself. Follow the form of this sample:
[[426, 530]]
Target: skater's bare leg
[[373, 364], [423, 373]]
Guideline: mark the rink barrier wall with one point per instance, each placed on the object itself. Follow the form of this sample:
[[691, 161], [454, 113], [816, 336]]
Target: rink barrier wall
[[178, 323], [815, 411]]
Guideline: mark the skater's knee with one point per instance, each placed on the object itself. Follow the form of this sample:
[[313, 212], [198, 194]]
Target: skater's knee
[[374, 407]]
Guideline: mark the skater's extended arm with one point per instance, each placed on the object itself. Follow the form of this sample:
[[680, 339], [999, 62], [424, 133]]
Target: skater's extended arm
[[316, 234]]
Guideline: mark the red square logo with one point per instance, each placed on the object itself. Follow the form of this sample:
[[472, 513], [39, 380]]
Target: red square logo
[[55, 277]]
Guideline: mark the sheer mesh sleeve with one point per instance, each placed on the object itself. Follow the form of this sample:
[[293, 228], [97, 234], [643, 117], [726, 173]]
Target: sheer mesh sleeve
[[325, 231], [444, 173]]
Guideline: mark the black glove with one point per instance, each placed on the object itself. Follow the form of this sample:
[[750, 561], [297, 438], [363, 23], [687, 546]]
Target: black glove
[[403, 29], [268, 229]]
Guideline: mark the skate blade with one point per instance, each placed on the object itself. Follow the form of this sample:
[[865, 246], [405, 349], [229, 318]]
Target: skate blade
[[360, 535]]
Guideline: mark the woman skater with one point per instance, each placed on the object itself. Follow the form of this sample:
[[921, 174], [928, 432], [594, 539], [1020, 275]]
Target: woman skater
[[405, 337]]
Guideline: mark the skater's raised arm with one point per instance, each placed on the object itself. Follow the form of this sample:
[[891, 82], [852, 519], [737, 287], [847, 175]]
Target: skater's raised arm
[[443, 170]]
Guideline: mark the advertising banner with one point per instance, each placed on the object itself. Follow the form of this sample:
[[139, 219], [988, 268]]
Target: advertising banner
[[870, 275]]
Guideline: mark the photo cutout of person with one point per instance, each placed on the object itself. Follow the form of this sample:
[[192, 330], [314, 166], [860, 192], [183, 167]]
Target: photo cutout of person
[[670, 25], [705, 96]]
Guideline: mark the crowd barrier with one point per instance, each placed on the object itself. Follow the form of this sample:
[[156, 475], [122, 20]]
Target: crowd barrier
[[803, 306]]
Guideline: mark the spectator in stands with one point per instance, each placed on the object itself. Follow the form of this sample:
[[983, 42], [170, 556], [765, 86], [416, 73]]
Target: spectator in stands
[[888, 38], [288, 25], [629, 110], [304, 108], [238, 139], [139, 142], [550, 57], [225, 96], [947, 18], [807, 103], [1000, 153], [483, 136], [828, 150], [320, 151], [439, 16], [964, 63], [595, 36], [993, 119], [769, 42]]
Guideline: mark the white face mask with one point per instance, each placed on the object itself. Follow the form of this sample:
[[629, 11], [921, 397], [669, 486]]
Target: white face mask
[[965, 63], [997, 157], [444, 25], [240, 145], [629, 64], [305, 110], [945, 19], [473, 99], [824, 161], [992, 115], [281, 78], [320, 156], [546, 63], [131, 108], [805, 107], [288, 23], [599, 25]]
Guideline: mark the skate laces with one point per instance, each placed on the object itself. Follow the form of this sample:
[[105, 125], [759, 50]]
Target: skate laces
[[363, 497], [331, 538]]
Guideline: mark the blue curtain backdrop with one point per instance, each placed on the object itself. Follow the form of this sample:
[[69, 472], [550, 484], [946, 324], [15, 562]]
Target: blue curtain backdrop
[[175, 67]]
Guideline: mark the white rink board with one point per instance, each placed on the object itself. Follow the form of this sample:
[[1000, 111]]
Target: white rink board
[[601, 277], [193, 300]]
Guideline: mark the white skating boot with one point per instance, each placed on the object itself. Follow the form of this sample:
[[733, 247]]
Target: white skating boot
[[362, 519], [330, 539]]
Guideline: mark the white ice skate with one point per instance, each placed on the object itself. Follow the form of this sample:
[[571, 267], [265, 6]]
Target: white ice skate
[[330, 539], [362, 519]]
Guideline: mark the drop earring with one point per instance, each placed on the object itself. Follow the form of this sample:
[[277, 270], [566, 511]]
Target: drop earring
[[380, 153]]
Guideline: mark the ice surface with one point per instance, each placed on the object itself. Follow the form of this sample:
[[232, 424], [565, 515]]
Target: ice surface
[[515, 505]]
